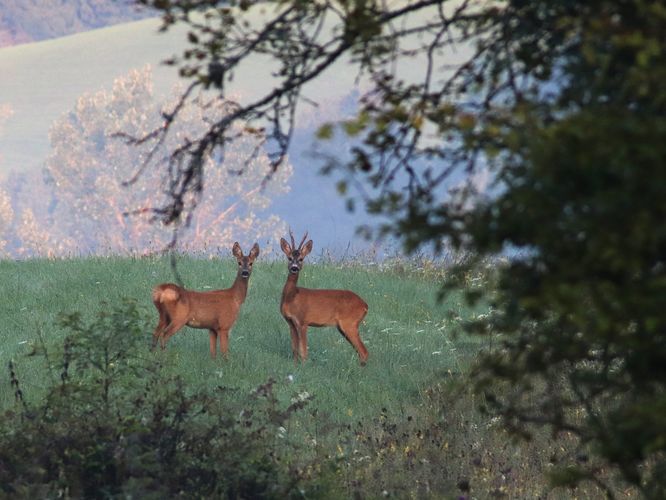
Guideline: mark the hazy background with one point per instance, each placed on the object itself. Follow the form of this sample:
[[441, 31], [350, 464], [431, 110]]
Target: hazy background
[[40, 81]]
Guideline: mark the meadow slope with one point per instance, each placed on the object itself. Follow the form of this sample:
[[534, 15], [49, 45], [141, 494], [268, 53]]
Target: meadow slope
[[406, 425], [408, 333]]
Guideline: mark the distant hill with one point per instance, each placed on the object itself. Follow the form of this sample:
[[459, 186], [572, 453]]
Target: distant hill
[[24, 21], [41, 81]]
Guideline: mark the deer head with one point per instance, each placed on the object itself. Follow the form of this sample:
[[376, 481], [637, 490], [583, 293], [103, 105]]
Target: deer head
[[295, 255], [245, 261]]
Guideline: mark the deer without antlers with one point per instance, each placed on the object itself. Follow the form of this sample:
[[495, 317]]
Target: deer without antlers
[[216, 310], [304, 307]]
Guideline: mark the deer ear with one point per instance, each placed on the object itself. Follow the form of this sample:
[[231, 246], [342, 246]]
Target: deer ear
[[306, 249], [254, 253], [285, 247], [236, 250]]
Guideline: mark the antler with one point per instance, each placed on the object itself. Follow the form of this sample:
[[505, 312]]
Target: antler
[[293, 244], [303, 241]]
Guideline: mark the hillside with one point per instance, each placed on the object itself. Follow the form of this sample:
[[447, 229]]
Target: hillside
[[403, 426], [43, 80], [25, 21]]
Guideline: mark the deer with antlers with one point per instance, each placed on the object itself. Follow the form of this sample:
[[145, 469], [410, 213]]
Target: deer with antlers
[[215, 311], [304, 307]]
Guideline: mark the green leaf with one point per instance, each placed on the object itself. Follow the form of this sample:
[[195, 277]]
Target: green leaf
[[325, 132]]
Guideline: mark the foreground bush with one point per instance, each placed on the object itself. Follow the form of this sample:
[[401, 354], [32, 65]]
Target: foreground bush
[[112, 424], [99, 416]]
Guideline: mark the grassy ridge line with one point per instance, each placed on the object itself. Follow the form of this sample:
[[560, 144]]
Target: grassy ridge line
[[406, 331]]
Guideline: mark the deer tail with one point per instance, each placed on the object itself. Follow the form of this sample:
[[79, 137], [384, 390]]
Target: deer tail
[[165, 293]]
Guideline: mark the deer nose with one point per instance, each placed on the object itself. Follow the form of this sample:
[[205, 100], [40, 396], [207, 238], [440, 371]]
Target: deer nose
[[245, 273], [293, 268]]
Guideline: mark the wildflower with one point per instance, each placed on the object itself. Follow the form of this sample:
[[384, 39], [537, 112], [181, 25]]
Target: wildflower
[[300, 397]]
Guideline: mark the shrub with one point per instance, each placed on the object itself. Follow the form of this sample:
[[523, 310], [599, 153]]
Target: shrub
[[113, 424]]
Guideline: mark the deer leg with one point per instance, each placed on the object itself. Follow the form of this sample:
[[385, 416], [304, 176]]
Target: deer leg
[[212, 334], [294, 339], [350, 332], [303, 343], [161, 325], [170, 330], [224, 342]]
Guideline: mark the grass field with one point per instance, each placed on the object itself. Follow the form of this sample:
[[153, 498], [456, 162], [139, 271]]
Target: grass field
[[408, 333], [404, 425]]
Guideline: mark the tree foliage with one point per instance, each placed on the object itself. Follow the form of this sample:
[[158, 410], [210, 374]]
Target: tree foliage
[[116, 424], [562, 104], [6, 211], [27, 228], [86, 206]]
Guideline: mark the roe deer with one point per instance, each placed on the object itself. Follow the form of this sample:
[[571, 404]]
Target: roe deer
[[304, 307], [216, 310]]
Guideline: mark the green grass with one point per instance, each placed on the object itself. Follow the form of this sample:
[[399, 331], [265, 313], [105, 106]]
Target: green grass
[[405, 425], [407, 332]]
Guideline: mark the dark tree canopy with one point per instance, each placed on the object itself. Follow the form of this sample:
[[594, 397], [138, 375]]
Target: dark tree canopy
[[563, 103]]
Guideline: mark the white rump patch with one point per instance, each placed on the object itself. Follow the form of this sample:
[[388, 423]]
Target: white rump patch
[[169, 295]]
